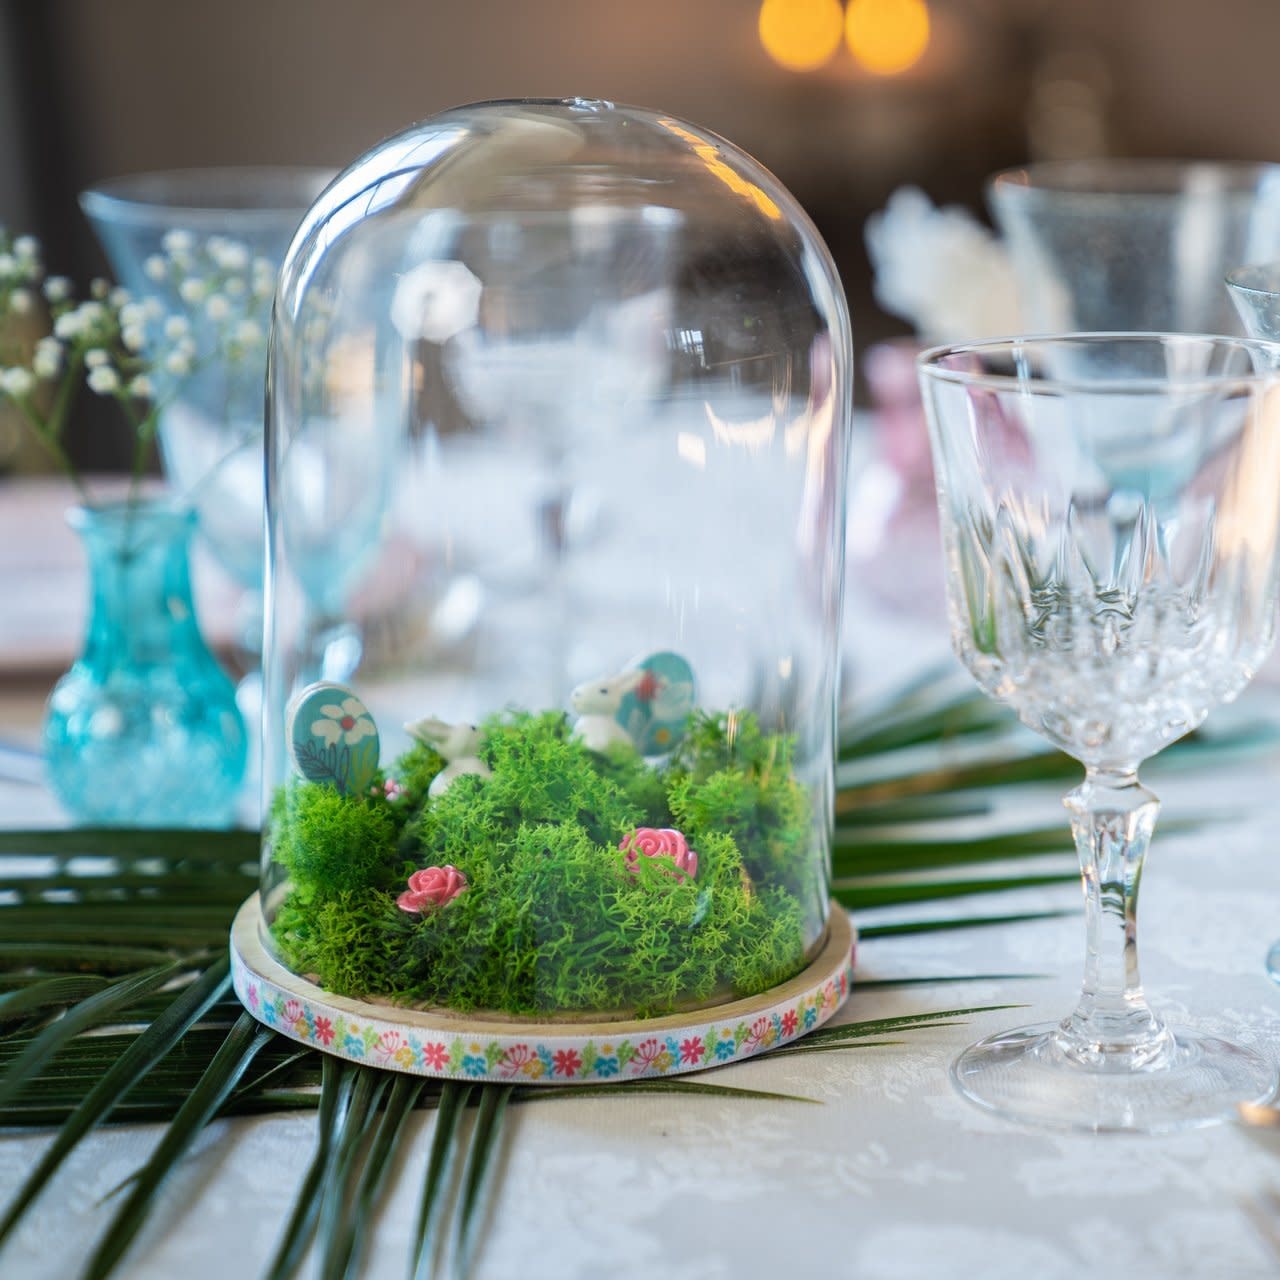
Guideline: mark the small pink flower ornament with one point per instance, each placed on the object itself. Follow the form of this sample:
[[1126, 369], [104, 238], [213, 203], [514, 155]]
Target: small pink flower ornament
[[660, 842], [431, 887]]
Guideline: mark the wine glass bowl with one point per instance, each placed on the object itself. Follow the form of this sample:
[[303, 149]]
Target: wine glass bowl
[[1123, 244], [1110, 510], [1255, 293], [211, 431]]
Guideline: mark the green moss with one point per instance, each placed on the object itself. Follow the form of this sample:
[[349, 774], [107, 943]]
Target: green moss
[[331, 844], [552, 919]]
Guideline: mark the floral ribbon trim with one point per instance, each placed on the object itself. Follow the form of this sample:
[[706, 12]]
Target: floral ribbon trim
[[562, 1060]]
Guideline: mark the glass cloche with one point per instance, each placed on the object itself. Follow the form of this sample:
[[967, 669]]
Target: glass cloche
[[558, 407]]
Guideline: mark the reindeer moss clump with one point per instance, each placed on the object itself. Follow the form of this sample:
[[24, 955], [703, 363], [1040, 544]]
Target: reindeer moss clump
[[552, 919]]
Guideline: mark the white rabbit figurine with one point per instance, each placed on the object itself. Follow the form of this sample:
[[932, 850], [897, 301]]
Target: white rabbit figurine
[[458, 743], [597, 703]]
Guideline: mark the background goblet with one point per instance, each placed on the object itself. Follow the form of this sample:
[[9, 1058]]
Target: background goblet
[[1120, 244], [1255, 291], [1111, 539], [169, 234]]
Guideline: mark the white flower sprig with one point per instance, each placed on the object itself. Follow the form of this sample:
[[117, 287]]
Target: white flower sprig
[[137, 351], [222, 290]]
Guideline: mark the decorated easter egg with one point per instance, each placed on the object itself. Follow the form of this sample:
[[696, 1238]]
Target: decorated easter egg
[[332, 738], [655, 710]]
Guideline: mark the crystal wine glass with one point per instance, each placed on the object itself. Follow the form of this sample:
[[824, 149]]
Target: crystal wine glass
[[1255, 291], [1110, 510]]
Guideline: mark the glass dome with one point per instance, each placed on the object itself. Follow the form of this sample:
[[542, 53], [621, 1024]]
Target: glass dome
[[558, 406]]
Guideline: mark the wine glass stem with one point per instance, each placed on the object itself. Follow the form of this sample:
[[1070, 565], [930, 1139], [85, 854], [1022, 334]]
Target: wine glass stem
[[1112, 817]]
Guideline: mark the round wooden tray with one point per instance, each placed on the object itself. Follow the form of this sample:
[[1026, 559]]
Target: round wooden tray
[[438, 1042]]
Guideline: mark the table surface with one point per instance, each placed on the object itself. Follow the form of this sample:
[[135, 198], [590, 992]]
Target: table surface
[[889, 1175]]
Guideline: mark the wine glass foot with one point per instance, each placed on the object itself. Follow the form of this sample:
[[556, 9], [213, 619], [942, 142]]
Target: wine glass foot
[[1023, 1075]]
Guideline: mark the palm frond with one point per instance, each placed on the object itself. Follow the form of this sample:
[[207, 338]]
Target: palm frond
[[440, 1162], [338, 1080], [476, 1180], [229, 1064], [140, 1056], [115, 1004]]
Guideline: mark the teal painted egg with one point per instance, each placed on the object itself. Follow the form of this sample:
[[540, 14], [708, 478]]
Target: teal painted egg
[[332, 738], [655, 711]]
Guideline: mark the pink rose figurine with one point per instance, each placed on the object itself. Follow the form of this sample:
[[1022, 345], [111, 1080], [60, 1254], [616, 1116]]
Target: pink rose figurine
[[431, 887], [660, 842]]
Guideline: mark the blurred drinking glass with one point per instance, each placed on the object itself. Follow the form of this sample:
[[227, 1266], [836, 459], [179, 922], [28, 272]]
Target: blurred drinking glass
[[1120, 244], [208, 244]]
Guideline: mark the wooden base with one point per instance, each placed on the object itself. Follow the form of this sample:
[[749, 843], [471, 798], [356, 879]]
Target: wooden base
[[442, 1043]]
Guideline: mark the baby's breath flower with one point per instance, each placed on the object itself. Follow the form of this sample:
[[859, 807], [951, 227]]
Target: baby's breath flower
[[191, 289], [140, 387], [104, 380], [57, 288], [68, 325], [95, 358], [235, 287], [46, 363], [134, 336], [156, 268], [248, 332], [18, 382], [9, 268], [153, 308], [178, 241], [21, 301], [177, 363], [133, 313], [27, 248], [119, 297], [92, 313], [176, 327], [217, 307], [230, 255], [99, 288]]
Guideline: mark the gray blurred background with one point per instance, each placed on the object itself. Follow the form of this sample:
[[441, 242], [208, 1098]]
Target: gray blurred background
[[91, 89]]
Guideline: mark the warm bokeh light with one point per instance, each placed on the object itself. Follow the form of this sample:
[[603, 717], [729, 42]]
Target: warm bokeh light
[[800, 34], [887, 36]]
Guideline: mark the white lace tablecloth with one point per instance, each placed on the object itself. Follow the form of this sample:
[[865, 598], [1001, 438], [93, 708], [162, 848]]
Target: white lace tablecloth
[[889, 1176]]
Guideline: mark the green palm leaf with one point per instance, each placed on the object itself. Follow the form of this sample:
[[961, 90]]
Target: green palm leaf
[[115, 1004], [229, 1064]]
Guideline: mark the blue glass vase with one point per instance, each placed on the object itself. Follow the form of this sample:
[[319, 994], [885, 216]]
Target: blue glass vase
[[143, 730]]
